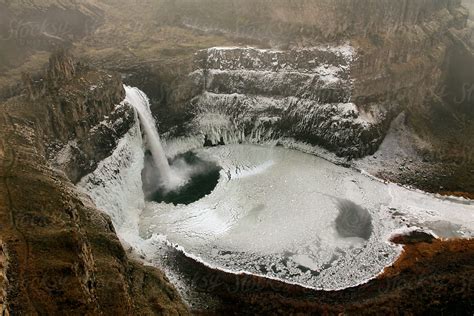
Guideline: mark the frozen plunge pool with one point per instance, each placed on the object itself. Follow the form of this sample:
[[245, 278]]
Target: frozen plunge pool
[[274, 212]]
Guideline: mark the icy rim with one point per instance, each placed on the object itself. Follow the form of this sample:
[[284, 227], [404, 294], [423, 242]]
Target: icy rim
[[120, 174], [142, 244], [224, 230]]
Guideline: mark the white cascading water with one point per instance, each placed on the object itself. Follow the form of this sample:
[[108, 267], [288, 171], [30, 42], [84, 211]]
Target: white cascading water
[[141, 103]]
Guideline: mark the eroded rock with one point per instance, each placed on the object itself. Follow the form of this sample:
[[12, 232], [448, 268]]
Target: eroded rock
[[64, 256]]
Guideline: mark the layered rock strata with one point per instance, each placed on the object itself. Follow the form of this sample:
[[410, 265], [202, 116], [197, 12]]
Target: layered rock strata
[[59, 254], [310, 86], [301, 93]]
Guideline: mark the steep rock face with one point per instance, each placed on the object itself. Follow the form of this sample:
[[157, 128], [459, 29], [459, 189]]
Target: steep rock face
[[61, 67], [442, 131], [302, 93], [80, 113], [405, 66], [59, 254], [399, 63]]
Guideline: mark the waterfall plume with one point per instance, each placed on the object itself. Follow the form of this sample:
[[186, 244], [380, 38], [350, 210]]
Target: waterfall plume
[[141, 103]]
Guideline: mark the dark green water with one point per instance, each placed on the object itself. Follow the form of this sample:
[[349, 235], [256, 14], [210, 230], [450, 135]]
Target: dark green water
[[203, 180]]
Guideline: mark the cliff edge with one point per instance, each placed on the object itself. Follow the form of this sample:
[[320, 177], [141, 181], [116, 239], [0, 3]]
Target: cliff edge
[[58, 253]]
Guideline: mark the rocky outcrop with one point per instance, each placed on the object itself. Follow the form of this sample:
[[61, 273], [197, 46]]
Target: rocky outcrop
[[301, 93], [59, 254], [81, 116], [304, 88], [61, 68]]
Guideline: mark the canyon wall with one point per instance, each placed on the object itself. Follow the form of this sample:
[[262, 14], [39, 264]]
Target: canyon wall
[[399, 62], [264, 94], [306, 21], [78, 108], [59, 254]]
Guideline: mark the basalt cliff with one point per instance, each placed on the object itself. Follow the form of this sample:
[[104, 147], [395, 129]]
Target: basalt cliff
[[354, 68], [337, 72], [59, 254]]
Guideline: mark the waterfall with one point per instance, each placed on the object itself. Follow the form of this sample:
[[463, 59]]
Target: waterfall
[[140, 102]]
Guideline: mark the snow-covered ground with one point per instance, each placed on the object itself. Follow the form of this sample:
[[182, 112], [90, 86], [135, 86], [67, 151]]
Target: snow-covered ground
[[398, 148]]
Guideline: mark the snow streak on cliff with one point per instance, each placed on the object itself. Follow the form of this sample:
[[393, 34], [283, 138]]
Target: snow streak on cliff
[[261, 94]]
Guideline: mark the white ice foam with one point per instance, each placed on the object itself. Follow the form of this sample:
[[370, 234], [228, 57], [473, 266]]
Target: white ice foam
[[273, 214], [116, 185]]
